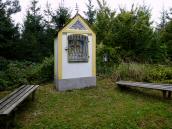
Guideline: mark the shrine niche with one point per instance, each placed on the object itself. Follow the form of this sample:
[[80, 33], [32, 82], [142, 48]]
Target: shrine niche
[[75, 56], [77, 48]]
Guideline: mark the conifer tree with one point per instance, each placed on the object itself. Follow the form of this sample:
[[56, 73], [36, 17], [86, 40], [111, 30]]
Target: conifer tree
[[163, 20], [33, 32], [165, 34], [60, 17], [90, 13], [9, 34]]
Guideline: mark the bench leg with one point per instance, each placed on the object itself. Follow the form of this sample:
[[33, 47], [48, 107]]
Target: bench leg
[[169, 94], [123, 87], [33, 96], [13, 118], [164, 93], [4, 122], [10, 120]]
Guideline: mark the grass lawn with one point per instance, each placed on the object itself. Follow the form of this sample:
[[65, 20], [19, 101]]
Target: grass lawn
[[102, 107]]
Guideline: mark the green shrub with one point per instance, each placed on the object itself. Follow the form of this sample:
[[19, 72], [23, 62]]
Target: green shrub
[[113, 59], [143, 72], [15, 74], [42, 72], [3, 81], [3, 63], [160, 73]]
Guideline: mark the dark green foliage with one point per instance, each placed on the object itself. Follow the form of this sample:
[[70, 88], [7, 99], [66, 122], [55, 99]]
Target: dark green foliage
[[52, 23], [131, 32], [15, 74], [160, 73], [163, 20], [157, 51], [39, 32], [35, 43], [103, 24], [105, 45], [167, 38], [33, 33], [42, 72], [113, 59], [90, 13], [3, 81], [60, 17], [126, 36], [9, 34], [166, 34], [143, 73]]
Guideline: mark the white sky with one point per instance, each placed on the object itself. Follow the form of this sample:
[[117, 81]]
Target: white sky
[[156, 6]]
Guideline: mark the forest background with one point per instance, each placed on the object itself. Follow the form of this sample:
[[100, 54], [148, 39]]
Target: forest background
[[134, 48]]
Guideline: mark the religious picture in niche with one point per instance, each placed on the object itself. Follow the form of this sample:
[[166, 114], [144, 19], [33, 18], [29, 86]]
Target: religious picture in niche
[[77, 48]]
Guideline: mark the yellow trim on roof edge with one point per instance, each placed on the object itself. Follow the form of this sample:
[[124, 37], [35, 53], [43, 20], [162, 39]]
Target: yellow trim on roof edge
[[76, 31], [78, 17]]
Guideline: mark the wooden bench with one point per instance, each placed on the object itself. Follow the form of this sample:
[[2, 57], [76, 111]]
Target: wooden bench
[[9, 103], [165, 88]]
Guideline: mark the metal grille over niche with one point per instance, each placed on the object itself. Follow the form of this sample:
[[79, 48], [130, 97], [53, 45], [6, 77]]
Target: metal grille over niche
[[77, 48]]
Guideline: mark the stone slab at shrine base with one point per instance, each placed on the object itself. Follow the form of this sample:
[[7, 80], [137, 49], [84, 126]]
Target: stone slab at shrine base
[[76, 83]]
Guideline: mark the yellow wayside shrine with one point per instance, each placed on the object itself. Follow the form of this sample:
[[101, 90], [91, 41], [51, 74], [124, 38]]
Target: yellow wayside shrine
[[75, 56]]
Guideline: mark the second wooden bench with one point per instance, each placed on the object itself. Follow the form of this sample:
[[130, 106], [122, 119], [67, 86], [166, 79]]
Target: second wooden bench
[[165, 88]]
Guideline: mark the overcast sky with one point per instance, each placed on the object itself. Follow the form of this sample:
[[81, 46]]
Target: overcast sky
[[156, 6]]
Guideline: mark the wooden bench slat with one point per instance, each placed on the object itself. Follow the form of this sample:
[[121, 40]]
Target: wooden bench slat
[[11, 102], [151, 86], [144, 83], [5, 98], [166, 87], [20, 100], [12, 96], [8, 108], [169, 88]]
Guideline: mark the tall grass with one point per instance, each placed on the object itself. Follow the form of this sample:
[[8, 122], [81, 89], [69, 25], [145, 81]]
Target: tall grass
[[141, 72]]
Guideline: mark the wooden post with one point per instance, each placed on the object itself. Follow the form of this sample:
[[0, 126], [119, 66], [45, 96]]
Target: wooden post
[[14, 118], [4, 122], [121, 87], [7, 123], [164, 93], [33, 95], [169, 94], [10, 120]]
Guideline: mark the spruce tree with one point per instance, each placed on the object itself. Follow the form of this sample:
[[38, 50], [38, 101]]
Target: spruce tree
[[166, 37], [61, 17], [33, 32], [9, 33], [90, 13], [53, 21], [166, 33], [163, 20]]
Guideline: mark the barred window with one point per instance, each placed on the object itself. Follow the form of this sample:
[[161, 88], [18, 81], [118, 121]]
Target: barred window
[[77, 48]]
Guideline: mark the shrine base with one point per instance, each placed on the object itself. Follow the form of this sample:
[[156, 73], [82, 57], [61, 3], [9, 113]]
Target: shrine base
[[76, 83]]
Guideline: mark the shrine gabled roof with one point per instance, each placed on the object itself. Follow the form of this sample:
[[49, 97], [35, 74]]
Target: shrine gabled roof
[[77, 23]]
